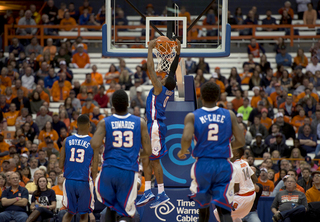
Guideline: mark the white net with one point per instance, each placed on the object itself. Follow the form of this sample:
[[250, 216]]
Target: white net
[[165, 53]]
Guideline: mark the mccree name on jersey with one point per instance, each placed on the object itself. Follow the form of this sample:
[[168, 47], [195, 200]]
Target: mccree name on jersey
[[122, 125], [212, 118], [76, 142]]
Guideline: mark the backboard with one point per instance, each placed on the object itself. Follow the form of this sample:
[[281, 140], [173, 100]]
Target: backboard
[[130, 38]]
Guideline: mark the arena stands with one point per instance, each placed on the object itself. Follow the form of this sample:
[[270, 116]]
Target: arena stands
[[49, 79]]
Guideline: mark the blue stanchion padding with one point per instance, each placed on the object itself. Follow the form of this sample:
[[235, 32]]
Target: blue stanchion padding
[[264, 209]]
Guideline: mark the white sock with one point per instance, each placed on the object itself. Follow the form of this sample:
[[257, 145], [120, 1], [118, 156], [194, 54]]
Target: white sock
[[160, 188], [147, 185]]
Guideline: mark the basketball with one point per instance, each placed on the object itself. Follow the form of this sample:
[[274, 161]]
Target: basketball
[[163, 45]]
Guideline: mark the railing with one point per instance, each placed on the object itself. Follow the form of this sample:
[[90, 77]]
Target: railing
[[255, 33]]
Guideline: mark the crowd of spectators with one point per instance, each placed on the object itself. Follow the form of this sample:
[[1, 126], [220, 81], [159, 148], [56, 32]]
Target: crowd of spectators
[[280, 120]]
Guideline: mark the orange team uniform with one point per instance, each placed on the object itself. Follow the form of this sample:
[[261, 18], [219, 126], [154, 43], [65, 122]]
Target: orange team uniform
[[297, 121], [9, 99], [55, 85], [85, 47], [285, 119], [246, 79], [95, 121], [108, 81], [221, 85], [82, 98], [89, 85], [237, 103], [53, 135], [44, 96], [6, 81], [267, 122], [57, 190], [255, 51], [44, 145], [81, 60], [86, 110], [71, 21], [273, 97], [97, 77], [15, 91], [60, 94], [73, 125], [2, 90], [268, 187], [303, 94], [11, 117]]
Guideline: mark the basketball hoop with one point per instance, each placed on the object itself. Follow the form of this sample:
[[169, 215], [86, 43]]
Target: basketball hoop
[[165, 51]]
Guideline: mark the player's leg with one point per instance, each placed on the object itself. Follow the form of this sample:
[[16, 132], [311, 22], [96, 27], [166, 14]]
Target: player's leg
[[84, 217], [85, 200], [224, 215], [67, 217], [69, 200], [110, 216]]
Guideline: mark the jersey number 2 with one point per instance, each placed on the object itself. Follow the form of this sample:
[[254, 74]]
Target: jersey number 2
[[213, 131], [80, 157], [127, 135]]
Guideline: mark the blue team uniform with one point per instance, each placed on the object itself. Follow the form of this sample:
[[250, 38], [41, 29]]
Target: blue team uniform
[[78, 186], [155, 110], [116, 184], [212, 171]]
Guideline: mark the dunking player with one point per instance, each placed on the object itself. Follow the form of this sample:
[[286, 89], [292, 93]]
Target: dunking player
[[244, 187], [75, 158], [155, 109], [125, 134], [213, 128]]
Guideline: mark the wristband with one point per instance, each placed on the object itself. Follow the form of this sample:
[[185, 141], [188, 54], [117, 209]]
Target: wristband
[[17, 198]]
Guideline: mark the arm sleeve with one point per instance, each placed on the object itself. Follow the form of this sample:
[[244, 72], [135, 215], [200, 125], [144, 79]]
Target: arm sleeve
[[174, 66]]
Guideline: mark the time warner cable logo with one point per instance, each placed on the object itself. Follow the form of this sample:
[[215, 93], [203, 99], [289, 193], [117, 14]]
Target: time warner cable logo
[[164, 209]]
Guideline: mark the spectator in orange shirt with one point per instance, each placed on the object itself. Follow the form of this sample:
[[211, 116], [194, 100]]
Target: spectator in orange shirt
[[85, 5], [5, 79], [113, 74], [246, 75], [83, 94], [285, 118], [302, 97], [238, 101], [58, 189], [288, 106], [313, 194], [9, 95], [62, 93], [44, 144], [88, 107], [44, 96], [81, 59], [266, 121], [218, 82], [48, 131], [12, 115], [275, 94], [268, 185], [96, 76], [89, 82], [298, 120], [112, 89], [18, 86], [287, 7], [76, 43], [256, 97], [68, 21], [4, 147], [73, 124], [62, 77], [95, 116], [184, 13]]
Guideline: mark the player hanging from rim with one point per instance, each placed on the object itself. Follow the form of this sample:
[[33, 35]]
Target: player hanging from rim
[[125, 134], [75, 159], [212, 172], [155, 109], [244, 187]]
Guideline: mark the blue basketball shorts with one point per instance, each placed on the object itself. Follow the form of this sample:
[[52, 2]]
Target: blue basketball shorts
[[211, 183], [157, 131], [78, 196], [117, 189]]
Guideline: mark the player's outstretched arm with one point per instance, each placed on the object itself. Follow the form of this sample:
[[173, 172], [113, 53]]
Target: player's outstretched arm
[[187, 135], [239, 140], [150, 65], [98, 136], [94, 166], [174, 65], [145, 139], [62, 154]]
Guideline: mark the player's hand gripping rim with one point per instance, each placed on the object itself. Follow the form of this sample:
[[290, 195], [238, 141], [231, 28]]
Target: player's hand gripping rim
[[182, 155]]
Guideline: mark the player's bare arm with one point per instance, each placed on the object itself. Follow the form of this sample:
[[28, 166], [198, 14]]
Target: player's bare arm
[[187, 135], [145, 140], [150, 64], [98, 136], [239, 140], [254, 178], [62, 155], [94, 166]]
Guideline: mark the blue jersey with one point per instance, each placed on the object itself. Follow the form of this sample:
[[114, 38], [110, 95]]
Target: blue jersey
[[213, 132], [156, 104], [123, 142], [79, 155]]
